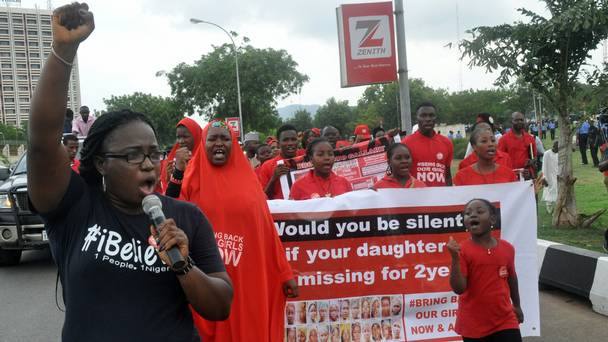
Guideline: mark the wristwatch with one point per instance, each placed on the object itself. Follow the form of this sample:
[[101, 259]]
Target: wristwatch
[[184, 269]]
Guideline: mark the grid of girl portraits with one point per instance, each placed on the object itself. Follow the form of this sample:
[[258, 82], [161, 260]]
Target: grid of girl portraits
[[357, 319]]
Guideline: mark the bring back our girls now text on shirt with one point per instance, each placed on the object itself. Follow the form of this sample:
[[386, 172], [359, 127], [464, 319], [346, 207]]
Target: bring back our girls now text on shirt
[[431, 157]]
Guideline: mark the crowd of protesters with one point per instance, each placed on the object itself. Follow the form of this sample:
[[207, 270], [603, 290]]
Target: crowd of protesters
[[235, 278]]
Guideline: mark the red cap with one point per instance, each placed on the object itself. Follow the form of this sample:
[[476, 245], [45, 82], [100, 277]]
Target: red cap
[[270, 139], [363, 130], [316, 131]]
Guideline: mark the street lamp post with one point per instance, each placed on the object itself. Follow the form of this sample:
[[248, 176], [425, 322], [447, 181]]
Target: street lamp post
[[236, 60]]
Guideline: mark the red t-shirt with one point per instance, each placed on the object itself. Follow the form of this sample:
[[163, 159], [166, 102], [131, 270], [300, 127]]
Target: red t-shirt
[[485, 306], [500, 158], [265, 173], [312, 186], [431, 157], [468, 176], [75, 164], [388, 182], [518, 148]]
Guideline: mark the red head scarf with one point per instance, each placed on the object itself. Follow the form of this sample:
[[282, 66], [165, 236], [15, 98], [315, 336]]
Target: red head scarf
[[195, 129], [233, 201]]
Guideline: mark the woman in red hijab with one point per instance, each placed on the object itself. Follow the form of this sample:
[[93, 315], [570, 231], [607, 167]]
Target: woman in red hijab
[[188, 138], [223, 185]]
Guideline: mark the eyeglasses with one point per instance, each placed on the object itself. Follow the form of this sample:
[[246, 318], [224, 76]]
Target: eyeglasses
[[137, 157]]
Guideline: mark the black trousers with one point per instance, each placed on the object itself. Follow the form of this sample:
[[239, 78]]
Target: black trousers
[[582, 146], [552, 133], [509, 335], [593, 151]]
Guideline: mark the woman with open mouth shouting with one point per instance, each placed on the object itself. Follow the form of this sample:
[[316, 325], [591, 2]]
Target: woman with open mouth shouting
[[222, 183], [116, 282]]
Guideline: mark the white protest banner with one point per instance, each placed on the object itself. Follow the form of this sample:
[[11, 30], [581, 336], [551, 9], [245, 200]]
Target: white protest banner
[[375, 263]]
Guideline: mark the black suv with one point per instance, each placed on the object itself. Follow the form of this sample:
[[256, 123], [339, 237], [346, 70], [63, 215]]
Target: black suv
[[19, 228]]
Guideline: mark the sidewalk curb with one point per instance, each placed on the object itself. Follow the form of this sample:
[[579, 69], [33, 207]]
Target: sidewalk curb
[[575, 270]]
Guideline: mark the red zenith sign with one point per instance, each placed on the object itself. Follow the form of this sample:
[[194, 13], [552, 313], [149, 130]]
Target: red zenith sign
[[367, 43], [235, 124]]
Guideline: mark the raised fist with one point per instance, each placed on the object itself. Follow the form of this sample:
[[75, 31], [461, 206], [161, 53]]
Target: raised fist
[[72, 24], [182, 157], [453, 247]]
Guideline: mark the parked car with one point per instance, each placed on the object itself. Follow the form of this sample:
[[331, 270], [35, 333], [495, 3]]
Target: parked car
[[20, 229], [5, 172]]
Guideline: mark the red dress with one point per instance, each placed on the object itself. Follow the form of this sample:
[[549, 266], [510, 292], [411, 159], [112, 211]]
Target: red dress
[[249, 244], [431, 157], [312, 186], [388, 182], [501, 158], [468, 176], [485, 306], [518, 148]]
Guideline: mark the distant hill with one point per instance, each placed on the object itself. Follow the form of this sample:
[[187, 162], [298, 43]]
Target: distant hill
[[287, 112]]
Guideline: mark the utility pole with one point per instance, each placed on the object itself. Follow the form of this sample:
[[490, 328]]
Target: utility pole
[[404, 87]]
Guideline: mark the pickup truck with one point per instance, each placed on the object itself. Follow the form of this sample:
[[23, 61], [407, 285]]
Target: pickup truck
[[20, 229]]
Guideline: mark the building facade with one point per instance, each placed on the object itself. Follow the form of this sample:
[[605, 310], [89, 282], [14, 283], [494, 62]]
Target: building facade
[[25, 43]]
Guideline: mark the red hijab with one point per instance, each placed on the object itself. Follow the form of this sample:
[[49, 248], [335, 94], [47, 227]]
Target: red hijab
[[195, 129], [232, 199]]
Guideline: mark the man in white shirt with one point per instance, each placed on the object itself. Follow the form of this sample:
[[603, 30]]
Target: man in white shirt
[[550, 170]]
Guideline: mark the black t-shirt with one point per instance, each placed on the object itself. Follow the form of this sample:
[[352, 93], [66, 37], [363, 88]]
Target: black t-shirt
[[115, 286]]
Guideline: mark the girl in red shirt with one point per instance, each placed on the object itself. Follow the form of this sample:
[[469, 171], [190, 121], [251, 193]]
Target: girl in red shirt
[[398, 174], [485, 170], [321, 181], [483, 275]]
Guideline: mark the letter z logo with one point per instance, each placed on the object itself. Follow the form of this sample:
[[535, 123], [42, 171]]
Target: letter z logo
[[370, 37], [371, 27]]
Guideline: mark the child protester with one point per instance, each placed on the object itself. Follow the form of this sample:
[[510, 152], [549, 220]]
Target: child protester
[[321, 181], [486, 170], [483, 275], [398, 173]]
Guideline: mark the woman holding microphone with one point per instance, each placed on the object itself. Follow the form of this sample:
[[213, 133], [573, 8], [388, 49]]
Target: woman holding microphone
[[116, 282]]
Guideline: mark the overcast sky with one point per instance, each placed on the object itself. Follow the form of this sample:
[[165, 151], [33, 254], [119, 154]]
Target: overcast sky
[[134, 39]]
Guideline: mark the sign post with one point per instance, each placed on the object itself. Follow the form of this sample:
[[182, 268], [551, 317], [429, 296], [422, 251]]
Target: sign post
[[404, 86], [367, 44]]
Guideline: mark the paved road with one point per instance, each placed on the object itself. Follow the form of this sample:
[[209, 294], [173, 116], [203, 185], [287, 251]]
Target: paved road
[[27, 300], [28, 312]]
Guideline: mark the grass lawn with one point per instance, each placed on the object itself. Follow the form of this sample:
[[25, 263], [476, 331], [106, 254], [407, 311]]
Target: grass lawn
[[591, 195]]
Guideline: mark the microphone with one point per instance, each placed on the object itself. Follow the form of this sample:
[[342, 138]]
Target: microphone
[[154, 209]]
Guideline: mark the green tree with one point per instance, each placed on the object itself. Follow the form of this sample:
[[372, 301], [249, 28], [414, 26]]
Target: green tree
[[12, 133], [337, 114], [163, 112], [379, 103], [465, 105], [548, 54], [209, 85], [302, 120]]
